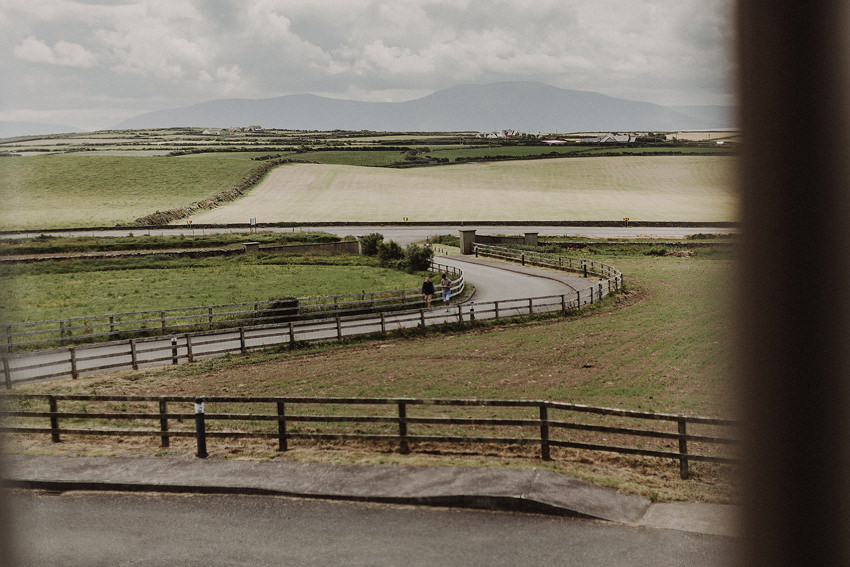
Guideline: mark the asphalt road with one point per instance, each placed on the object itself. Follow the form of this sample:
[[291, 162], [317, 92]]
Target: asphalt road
[[405, 235], [117, 529], [493, 281]]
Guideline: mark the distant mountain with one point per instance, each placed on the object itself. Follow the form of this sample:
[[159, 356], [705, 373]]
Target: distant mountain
[[13, 129], [524, 106]]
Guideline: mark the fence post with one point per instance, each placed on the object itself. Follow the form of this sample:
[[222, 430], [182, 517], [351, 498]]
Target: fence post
[[383, 324], [338, 328], [472, 312], [522, 257], [174, 359], [8, 338], [163, 423], [496, 309], [530, 307], [54, 420], [404, 447], [281, 427], [422, 317], [564, 303], [189, 354], [210, 311], [133, 358], [162, 319], [584, 267], [683, 449], [61, 333], [200, 429], [291, 336], [242, 348], [544, 433], [578, 299], [7, 373], [73, 352], [111, 326]]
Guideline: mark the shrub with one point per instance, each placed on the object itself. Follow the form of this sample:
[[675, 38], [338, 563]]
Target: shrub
[[389, 253], [418, 258], [370, 243]]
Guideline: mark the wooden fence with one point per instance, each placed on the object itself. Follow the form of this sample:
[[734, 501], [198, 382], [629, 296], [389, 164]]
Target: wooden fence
[[403, 422], [611, 276], [110, 327], [332, 322]]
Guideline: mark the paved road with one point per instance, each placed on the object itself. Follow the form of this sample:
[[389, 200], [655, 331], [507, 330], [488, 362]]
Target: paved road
[[493, 281], [115, 529], [405, 235]]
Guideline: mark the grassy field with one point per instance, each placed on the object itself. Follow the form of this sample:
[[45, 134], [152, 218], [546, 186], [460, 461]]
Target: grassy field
[[40, 292], [659, 188], [107, 178], [65, 191], [663, 346]]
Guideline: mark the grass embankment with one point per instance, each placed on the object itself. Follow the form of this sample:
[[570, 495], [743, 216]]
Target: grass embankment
[[61, 245], [73, 288], [660, 347]]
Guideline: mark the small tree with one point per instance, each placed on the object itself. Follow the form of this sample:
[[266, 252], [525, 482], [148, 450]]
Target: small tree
[[390, 253], [370, 243], [418, 258]]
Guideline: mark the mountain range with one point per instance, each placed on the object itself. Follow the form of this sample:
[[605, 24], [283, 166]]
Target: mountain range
[[524, 106]]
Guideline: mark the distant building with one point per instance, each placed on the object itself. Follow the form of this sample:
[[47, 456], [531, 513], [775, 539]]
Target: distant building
[[213, 132]]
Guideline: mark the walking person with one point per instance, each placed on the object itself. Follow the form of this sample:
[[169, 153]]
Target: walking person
[[446, 287], [428, 291]]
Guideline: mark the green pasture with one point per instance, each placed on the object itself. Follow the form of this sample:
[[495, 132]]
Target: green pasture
[[64, 289], [45, 244], [74, 190], [662, 346]]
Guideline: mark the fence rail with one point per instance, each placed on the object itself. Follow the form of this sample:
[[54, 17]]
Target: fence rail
[[612, 277], [403, 422], [320, 326], [110, 327]]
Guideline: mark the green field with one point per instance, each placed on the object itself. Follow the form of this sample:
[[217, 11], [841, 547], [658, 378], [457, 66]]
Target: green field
[[109, 178], [58, 290], [75, 190], [663, 346]]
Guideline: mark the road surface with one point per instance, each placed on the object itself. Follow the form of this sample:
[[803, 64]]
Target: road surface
[[406, 234], [115, 529]]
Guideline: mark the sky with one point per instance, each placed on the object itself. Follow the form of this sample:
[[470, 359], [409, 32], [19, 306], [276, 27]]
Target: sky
[[91, 64]]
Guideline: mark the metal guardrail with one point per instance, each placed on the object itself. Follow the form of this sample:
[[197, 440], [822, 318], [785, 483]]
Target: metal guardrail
[[404, 422]]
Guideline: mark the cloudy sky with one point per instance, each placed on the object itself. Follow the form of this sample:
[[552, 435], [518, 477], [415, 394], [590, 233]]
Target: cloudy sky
[[91, 64]]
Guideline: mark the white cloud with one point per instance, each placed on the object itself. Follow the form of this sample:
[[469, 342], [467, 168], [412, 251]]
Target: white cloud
[[63, 53], [148, 54]]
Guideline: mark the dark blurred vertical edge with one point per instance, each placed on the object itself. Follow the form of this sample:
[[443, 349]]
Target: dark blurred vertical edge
[[794, 371]]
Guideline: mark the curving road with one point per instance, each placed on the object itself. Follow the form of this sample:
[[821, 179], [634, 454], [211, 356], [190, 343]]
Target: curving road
[[492, 281]]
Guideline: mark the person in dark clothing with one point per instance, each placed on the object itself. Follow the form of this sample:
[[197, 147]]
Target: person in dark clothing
[[428, 291]]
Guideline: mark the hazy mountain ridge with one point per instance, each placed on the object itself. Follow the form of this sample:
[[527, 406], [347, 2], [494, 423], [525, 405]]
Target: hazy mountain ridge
[[524, 106]]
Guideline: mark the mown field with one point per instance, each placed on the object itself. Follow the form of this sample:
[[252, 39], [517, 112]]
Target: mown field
[[661, 188], [103, 180]]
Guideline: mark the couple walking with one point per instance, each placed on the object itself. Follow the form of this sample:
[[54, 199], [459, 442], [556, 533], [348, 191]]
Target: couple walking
[[428, 290]]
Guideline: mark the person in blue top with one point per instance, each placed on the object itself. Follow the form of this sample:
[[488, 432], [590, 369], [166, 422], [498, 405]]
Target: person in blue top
[[446, 287]]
